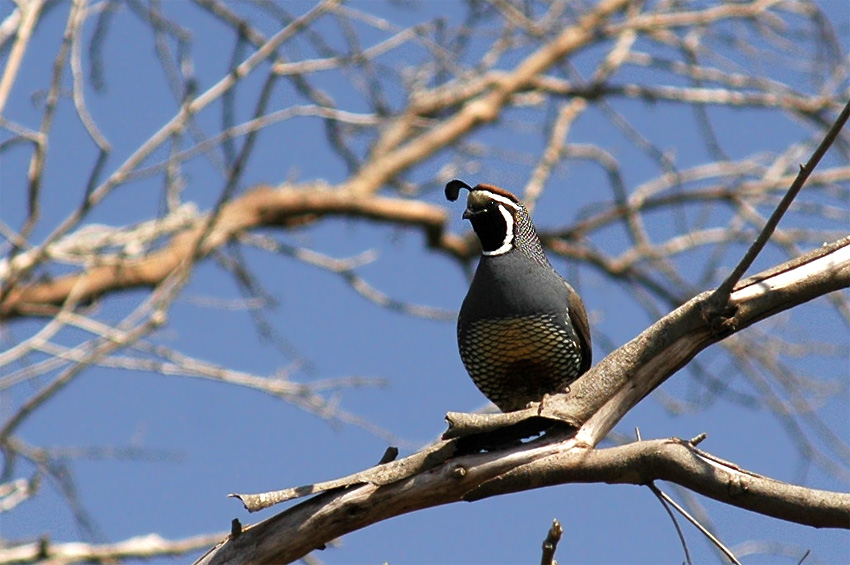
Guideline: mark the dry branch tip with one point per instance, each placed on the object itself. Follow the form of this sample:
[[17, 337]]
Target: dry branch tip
[[698, 439], [550, 544]]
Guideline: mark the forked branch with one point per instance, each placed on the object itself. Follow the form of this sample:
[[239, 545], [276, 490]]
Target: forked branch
[[479, 465]]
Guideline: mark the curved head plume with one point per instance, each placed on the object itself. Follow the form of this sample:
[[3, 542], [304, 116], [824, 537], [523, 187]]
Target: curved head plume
[[453, 189]]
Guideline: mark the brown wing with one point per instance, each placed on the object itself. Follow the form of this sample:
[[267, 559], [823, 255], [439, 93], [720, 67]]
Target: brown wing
[[578, 317]]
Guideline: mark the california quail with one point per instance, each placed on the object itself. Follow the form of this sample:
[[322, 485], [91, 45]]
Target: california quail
[[522, 330]]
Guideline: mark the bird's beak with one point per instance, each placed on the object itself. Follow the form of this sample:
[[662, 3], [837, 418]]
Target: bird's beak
[[467, 214]]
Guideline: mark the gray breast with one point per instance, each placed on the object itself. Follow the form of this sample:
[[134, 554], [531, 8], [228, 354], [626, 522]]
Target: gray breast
[[514, 331]]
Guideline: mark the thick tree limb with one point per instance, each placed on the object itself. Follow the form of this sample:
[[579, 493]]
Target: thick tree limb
[[381, 474], [677, 461], [309, 525], [262, 207], [594, 404]]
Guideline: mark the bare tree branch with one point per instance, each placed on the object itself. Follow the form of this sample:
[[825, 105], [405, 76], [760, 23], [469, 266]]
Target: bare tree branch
[[141, 547], [557, 101], [299, 530], [27, 14], [263, 207], [725, 289], [594, 404]]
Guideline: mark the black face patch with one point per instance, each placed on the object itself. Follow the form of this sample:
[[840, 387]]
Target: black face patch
[[493, 226]]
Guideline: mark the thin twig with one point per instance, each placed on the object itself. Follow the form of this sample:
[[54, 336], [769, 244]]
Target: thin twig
[[661, 498], [721, 295], [29, 12], [726, 551]]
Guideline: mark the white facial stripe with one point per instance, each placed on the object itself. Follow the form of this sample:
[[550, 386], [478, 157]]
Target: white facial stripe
[[502, 199], [508, 242]]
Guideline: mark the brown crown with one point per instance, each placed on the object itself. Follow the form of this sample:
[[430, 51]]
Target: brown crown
[[496, 190]]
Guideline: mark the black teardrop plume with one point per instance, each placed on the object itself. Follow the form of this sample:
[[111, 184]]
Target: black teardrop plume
[[453, 189]]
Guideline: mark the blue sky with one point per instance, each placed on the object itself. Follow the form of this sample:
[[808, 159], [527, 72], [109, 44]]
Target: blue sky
[[208, 439]]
